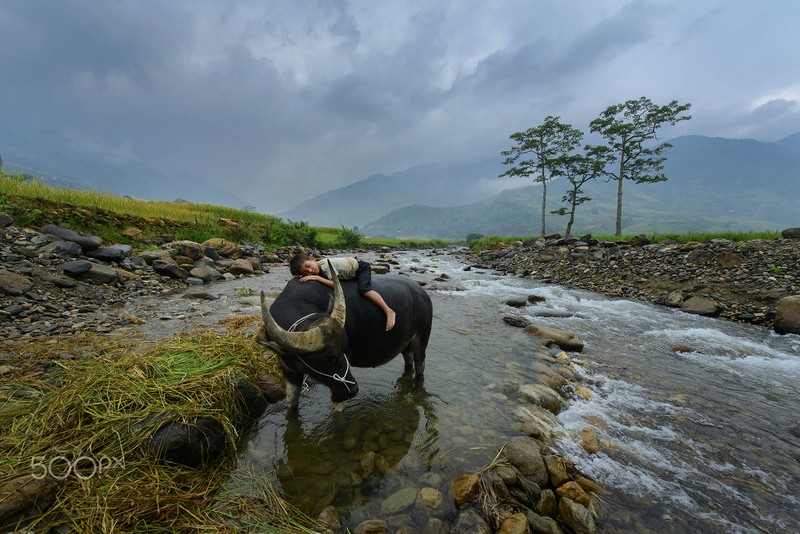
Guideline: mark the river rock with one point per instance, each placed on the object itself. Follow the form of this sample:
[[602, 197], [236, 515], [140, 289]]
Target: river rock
[[564, 339], [524, 454], [65, 249], [206, 274], [76, 268], [787, 315], [331, 520], [517, 303], [371, 526], [14, 284], [26, 496], [516, 321], [470, 521], [464, 488], [134, 233], [117, 253], [576, 516], [574, 491], [87, 242], [589, 441], [543, 525], [223, 247], [700, 306], [556, 469], [791, 233], [547, 504], [188, 248], [173, 270], [6, 220], [727, 259], [514, 524], [429, 499], [241, 267], [100, 274], [399, 501], [380, 268], [193, 444], [150, 256]]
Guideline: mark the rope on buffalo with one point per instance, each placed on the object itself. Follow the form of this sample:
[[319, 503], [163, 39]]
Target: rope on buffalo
[[335, 376]]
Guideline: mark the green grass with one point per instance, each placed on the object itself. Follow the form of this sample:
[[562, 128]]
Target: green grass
[[32, 204]]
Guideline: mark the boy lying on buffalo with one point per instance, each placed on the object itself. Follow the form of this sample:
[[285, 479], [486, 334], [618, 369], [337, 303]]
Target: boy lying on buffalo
[[306, 268]]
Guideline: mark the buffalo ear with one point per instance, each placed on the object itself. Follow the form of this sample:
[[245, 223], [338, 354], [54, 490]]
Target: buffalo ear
[[260, 336], [262, 339]]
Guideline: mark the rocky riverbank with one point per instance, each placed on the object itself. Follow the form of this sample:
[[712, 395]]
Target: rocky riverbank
[[755, 281]]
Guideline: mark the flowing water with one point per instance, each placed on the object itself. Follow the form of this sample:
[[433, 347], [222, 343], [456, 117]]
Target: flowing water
[[705, 438]]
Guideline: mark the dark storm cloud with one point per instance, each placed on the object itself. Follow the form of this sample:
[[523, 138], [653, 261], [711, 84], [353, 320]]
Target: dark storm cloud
[[283, 100]]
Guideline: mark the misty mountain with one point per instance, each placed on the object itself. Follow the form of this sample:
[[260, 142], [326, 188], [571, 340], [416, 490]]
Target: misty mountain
[[714, 184], [55, 161], [374, 197]]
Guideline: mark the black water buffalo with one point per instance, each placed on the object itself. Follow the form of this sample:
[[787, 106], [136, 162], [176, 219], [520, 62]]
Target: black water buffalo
[[314, 337]]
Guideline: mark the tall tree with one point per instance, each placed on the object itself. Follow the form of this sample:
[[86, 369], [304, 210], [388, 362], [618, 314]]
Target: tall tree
[[538, 151], [628, 129], [579, 169]]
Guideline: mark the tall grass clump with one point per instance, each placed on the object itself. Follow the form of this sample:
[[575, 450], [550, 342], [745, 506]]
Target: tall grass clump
[[85, 411]]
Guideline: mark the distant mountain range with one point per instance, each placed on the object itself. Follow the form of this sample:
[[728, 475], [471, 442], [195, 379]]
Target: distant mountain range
[[714, 184], [371, 198]]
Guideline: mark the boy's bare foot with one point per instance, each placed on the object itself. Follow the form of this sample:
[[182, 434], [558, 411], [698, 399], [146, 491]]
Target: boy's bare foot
[[390, 316]]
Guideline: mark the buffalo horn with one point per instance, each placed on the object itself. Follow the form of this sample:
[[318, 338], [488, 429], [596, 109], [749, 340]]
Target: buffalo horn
[[310, 341], [339, 311]]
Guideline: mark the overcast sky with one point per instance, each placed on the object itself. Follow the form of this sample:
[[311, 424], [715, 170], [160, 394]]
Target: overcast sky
[[282, 100]]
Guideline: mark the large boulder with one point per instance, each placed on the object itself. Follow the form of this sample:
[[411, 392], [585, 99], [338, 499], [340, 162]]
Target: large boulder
[[791, 233], [225, 248], [701, 306], [115, 253], [524, 454], [86, 241], [555, 336], [787, 315], [190, 249], [191, 444]]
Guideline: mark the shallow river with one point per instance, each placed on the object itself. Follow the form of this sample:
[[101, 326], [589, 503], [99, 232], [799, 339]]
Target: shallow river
[[706, 439]]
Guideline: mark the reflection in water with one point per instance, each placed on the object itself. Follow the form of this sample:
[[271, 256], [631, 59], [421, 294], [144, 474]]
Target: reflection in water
[[345, 458]]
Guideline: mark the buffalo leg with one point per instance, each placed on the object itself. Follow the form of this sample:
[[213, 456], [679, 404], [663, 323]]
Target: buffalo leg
[[414, 356], [294, 385], [408, 358]]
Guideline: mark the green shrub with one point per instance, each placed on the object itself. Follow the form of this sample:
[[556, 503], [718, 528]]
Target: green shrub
[[348, 238]]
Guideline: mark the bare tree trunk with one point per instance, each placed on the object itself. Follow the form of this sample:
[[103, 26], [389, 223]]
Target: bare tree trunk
[[544, 204], [571, 221], [619, 196]]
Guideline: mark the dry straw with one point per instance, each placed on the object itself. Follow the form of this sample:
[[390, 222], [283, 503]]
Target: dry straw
[[83, 409]]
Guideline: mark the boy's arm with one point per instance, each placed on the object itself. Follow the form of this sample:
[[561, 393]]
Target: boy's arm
[[318, 278]]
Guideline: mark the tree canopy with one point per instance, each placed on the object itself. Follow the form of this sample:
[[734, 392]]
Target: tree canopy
[[629, 129], [539, 152]]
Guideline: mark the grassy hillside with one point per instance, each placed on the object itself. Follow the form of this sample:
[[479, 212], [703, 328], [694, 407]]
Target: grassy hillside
[[33, 204]]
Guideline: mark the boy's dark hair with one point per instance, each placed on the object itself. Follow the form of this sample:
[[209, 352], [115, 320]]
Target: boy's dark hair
[[296, 262]]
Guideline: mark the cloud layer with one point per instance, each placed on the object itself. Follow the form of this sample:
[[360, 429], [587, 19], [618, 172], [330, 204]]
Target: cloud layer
[[280, 101]]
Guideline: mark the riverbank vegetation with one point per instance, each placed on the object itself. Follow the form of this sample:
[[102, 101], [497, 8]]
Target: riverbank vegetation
[[32, 203]]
